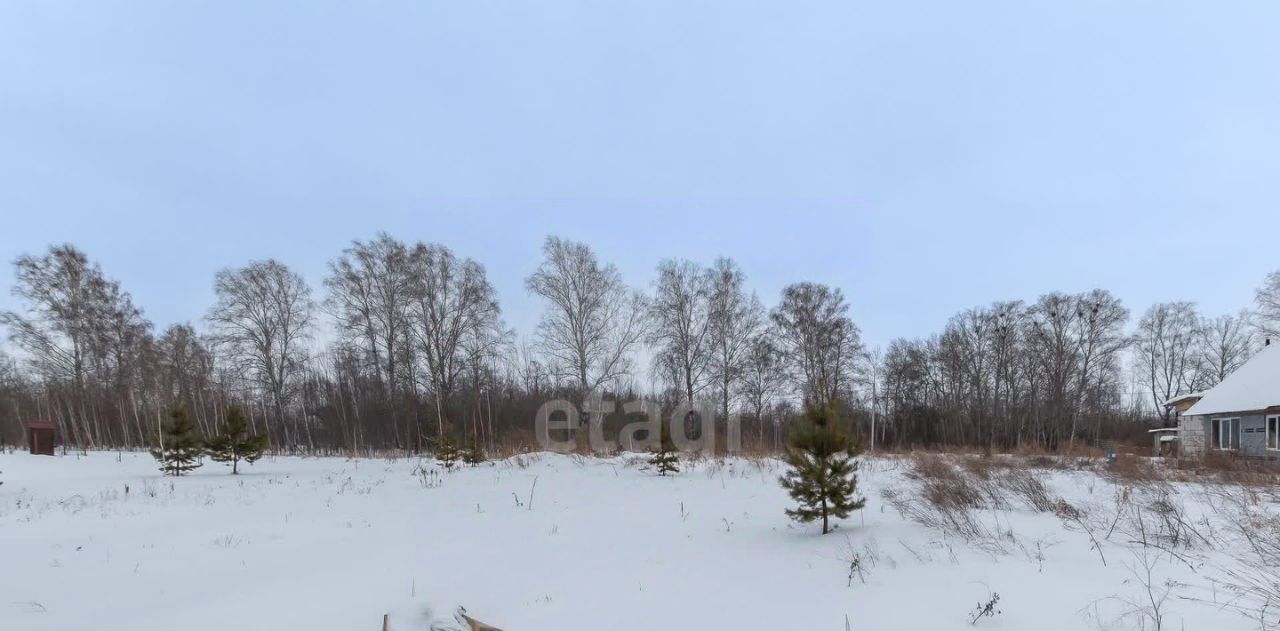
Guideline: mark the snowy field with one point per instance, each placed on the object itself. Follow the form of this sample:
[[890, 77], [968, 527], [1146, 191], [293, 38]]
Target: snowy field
[[328, 544]]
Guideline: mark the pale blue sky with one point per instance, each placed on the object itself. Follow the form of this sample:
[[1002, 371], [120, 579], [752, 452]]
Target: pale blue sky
[[924, 157]]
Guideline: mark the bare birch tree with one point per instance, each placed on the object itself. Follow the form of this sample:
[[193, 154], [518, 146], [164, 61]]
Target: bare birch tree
[[1100, 338], [736, 319], [1167, 339], [61, 291], [680, 313], [1226, 343], [370, 289], [81, 332], [1267, 305], [592, 321], [454, 315], [819, 341], [262, 319], [185, 368], [763, 378], [1055, 356]]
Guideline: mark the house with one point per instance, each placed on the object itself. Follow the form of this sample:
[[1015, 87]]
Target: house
[[1240, 415]]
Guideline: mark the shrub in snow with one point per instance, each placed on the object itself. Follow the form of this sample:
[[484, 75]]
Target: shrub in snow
[[823, 475], [985, 610]]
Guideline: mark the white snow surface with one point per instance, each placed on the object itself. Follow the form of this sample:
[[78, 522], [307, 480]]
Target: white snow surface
[[333, 544], [1253, 386]]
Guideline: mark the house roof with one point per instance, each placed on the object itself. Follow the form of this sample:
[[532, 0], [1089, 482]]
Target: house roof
[[1183, 397], [1253, 386]]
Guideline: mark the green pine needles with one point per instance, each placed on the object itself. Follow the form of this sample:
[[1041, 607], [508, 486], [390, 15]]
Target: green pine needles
[[180, 445], [474, 454], [665, 458], [235, 444], [446, 452], [823, 476]]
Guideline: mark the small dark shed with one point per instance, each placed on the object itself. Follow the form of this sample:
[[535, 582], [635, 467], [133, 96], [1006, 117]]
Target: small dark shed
[[41, 435]]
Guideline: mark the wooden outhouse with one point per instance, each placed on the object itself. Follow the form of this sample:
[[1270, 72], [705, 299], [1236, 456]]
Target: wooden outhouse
[[41, 437]]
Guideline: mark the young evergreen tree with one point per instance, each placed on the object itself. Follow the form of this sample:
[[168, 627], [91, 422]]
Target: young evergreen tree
[[474, 453], [823, 475], [180, 445], [665, 458], [446, 452], [235, 444]]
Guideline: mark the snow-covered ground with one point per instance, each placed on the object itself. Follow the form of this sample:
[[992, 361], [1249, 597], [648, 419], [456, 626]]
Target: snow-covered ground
[[328, 544]]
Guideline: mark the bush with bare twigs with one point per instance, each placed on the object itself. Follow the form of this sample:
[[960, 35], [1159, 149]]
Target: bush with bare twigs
[[1028, 487], [947, 498], [1155, 516], [1149, 608], [1250, 579]]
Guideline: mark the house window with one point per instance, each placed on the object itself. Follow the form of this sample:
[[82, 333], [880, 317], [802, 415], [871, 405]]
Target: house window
[[1273, 432], [1226, 433]]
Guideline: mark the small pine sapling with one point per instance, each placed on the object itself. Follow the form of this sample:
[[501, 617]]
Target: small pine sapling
[[180, 446], [665, 458], [235, 444], [822, 478], [475, 453], [446, 452]]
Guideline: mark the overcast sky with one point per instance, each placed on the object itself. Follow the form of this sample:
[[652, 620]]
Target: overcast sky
[[924, 157]]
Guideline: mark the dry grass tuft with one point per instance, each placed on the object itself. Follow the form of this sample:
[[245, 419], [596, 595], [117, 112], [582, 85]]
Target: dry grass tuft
[[1134, 470], [1029, 488], [1232, 468], [944, 485], [984, 467]]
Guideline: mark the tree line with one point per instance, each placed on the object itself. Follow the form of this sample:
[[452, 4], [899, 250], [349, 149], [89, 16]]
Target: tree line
[[421, 355], [1063, 369]]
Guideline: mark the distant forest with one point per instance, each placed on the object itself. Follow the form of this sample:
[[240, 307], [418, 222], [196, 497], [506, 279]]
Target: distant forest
[[421, 351]]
